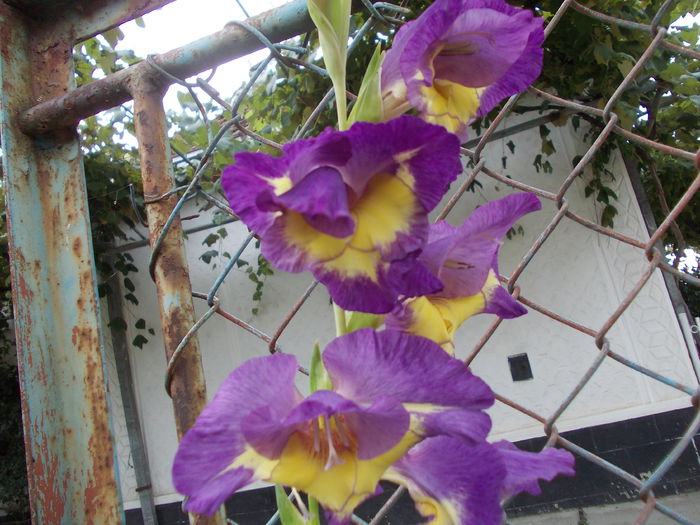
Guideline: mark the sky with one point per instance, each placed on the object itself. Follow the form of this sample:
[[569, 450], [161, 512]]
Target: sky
[[184, 21]]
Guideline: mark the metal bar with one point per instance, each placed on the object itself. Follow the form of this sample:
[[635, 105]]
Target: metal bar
[[228, 44], [171, 273], [88, 18], [70, 458], [120, 348]]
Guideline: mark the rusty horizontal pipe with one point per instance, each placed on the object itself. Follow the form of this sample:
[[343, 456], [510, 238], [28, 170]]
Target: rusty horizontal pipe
[[232, 42]]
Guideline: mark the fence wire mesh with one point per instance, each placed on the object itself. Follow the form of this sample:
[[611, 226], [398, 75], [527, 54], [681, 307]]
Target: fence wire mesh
[[650, 250]]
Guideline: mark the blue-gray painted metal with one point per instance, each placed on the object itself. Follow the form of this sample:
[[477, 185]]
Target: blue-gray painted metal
[[70, 457]]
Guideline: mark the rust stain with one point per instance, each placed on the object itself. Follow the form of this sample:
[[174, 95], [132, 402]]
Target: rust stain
[[45, 474], [77, 246]]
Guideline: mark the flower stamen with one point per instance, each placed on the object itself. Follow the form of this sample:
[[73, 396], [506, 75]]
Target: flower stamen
[[340, 425], [333, 458], [317, 436]]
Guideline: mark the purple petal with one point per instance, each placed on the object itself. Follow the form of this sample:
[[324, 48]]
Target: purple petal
[[520, 75], [486, 45], [425, 154], [321, 197], [467, 265], [330, 148], [465, 255], [525, 469], [417, 56], [501, 303], [357, 220], [441, 240], [376, 429], [405, 367], [379, 427], [245, 181], [471, 427], [495, 218], [212, 493], [458, 483], [200, 468], [482, 43]]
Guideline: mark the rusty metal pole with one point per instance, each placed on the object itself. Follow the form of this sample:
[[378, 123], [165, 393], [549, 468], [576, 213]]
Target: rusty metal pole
[[70, 458], [171, 272]]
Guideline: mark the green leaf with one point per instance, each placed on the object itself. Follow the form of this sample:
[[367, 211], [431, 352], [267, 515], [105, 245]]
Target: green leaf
[[318, 376], [332, 18], [129, 285], [314, 511], [368, 106], [113, 36], [210, 239], [357, 320], [289, 514], [607, 219], [139, 341], [117, 324]]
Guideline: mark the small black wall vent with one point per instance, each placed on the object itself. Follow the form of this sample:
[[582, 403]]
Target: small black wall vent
[[520, 368]]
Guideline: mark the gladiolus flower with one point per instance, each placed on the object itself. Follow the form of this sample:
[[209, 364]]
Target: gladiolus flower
[[459, 59], [465, 259], [389, 392], [455, 483], [350, 206]]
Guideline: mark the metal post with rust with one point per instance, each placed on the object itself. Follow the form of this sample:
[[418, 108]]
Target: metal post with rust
[[70, 458], [170, 272]]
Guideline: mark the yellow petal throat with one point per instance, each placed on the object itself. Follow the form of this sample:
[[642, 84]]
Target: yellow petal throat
[[384, 210], [340, 485], [449, 104]]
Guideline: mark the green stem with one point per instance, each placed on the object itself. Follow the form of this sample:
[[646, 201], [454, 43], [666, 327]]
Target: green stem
[[341, 106], [340, 322], [313, 510]]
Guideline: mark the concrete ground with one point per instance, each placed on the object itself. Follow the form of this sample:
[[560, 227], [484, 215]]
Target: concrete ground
[[619, 514]]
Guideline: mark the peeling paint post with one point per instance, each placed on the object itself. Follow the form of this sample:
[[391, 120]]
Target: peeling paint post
[[170, 271], [70, 458]]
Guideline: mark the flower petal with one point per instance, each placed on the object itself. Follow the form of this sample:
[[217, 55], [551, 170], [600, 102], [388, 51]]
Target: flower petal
[[322, 199], [397, 173], [339, 487], [205, 466], [375, 429], [495, 218], [451, 482], [521, 74], [483, 42], [415, 370], [500, 302], [416, 57], [465, 264], [525, 469]]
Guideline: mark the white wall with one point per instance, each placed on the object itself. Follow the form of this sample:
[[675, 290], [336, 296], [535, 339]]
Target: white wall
[[580, 275]]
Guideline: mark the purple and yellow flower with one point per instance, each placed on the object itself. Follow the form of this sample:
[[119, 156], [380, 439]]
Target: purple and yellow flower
[[457, 483], [350, 206], [390, 391], [459, 59], [465, 259]]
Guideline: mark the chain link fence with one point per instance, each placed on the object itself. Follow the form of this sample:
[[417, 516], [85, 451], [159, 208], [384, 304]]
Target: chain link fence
[[650, 250], [168, 233]]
